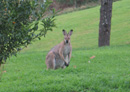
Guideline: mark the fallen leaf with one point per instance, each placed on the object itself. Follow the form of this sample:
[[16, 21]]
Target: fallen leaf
[[92, 57], [74, 66], [4, 71]]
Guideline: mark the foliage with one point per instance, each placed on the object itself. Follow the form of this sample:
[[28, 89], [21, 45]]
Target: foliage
[[19, 21], [75, 2]]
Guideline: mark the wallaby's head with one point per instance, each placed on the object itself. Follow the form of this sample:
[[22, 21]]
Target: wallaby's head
[[67, 36]]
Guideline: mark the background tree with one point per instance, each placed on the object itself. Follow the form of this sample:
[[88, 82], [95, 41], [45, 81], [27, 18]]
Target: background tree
[[72, 3], [105, 23], [19, 21]]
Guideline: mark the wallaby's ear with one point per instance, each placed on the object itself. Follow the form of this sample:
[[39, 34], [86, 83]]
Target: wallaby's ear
[[64, 32], [71, 31]]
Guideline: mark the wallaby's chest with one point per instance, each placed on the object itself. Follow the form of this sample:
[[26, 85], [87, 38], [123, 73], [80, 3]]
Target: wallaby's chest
[[66, 50]]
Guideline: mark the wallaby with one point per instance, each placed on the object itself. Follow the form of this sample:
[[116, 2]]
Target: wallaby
[[60, 55]]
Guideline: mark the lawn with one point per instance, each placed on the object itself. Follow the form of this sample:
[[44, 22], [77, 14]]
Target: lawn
[[109, 71]]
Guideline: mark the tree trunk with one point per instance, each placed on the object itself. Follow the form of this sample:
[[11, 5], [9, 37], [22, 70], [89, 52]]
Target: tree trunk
[[105, 23], [1, 58], [0, 62], [75, 3]]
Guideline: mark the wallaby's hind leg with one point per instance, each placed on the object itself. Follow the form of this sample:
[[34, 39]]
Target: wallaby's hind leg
[[50, 61]]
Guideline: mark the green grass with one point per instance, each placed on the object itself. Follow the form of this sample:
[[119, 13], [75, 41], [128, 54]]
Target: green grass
[[109, 71]]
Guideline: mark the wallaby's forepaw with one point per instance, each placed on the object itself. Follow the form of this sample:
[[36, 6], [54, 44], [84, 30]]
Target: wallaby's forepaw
[[66, 64]]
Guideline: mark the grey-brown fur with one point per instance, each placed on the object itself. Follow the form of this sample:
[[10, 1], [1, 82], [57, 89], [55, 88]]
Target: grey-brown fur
[[59, 56]]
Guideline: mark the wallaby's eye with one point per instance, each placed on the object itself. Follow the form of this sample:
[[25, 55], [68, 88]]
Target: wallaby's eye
[[65, 37]]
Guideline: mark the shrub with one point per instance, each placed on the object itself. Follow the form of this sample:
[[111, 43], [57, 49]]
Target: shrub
[[19, 21], [76, 3]]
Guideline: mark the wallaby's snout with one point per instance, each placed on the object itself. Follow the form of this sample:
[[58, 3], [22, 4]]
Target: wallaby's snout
[[66, 41], [67, 36]]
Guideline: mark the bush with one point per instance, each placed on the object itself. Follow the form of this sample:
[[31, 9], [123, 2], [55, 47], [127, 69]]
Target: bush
[[19, 20], [76, 3]]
